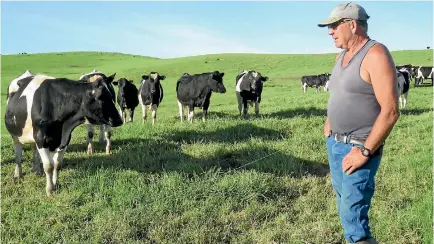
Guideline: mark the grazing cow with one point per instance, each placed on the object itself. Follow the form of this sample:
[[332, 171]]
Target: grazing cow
[[315, 81], [403, 87], [196, 90], [151, 94], [105, 130], [248, 88], [420, 73], [45, 110], [127, 97]]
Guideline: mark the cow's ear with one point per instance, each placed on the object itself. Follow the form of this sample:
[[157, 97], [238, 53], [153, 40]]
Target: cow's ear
[[111, 78], [162, 77], [115, 83], [222, 74], [145, 77], [131, 81], [264, 78]]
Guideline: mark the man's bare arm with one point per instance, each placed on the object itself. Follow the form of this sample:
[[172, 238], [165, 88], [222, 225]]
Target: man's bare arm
[[382, 73]]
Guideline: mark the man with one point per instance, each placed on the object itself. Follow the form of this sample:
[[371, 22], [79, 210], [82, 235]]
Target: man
[[362, 110]]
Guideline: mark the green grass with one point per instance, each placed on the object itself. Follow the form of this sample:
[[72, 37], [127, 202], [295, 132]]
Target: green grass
[[227, 180]]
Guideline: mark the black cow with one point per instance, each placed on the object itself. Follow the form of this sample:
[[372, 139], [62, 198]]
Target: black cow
[[151, 94], [127, 97], [403, 86], [44, 111], [196, 90], [420, 73], [105, 131], [315, 81], [248, 88]]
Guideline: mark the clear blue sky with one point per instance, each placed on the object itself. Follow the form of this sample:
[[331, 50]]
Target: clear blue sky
[[174, 29]]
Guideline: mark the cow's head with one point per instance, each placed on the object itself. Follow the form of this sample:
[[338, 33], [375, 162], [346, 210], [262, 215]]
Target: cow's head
[[414, 71], [95, 75], [99, 105], [256, 80], [216, 82], [154, 81], [122, 82]]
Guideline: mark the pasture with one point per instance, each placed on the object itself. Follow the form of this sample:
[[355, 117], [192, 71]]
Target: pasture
[[228, 180]]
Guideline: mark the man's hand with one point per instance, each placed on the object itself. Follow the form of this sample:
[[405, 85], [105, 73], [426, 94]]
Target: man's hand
[[353, 160]]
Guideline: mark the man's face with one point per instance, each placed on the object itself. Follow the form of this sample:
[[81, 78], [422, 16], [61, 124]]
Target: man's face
[[341, 32]]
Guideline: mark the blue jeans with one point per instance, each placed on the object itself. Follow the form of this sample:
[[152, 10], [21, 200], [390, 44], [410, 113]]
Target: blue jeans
[[353, 192]]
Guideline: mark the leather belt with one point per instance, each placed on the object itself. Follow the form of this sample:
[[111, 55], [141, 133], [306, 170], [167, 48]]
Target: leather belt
[[349, 139]]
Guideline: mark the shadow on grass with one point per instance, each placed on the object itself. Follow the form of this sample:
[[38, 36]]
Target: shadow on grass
[[304, 112], [415, 111], [238, 133], [153, 156]]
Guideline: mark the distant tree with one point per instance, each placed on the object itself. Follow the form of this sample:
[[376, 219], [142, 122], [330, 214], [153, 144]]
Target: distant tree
[[427, 47]]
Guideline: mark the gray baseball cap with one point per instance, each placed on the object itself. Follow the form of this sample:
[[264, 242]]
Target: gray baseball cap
[[345, 11]]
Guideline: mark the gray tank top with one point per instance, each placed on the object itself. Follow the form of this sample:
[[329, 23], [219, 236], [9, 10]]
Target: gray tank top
[[352, 106]]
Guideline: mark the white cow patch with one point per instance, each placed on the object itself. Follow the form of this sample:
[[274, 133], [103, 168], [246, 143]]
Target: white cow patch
[[13, 87], [238, 88], [154, 76], [29, 92]]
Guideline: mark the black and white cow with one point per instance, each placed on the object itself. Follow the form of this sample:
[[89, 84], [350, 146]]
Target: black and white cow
[[15, 83], [403, 86], [315, 81], [44, 111], [151, 94], [420, 73], [196, 90], [248, 88], [127, 97], [105, 130]]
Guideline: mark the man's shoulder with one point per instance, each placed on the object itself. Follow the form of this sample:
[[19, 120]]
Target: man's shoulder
[[377, 50]]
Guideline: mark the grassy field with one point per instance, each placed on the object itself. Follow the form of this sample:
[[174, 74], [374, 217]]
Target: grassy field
[[227, 180]]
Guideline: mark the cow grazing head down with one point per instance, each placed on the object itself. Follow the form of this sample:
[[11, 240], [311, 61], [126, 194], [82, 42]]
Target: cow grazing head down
[[99, 105], [95, 75], [216, 82], [154, 79]]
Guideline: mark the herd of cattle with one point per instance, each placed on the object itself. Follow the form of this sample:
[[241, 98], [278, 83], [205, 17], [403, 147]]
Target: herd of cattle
[[43, 110]]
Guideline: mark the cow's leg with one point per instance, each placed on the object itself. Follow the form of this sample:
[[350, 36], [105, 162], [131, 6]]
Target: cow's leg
[[36, 162], [18, 148], [205, 109], [400, 100], [123, 114], [240, 102], [89, 141], [132, 114], [101, 134], [143, 113], [108, 135], [154, 113], [245, 107], [57, 159], [190, 110], [304, 87], [47, 161], [405, 99], [180, 107], [256, 108]]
